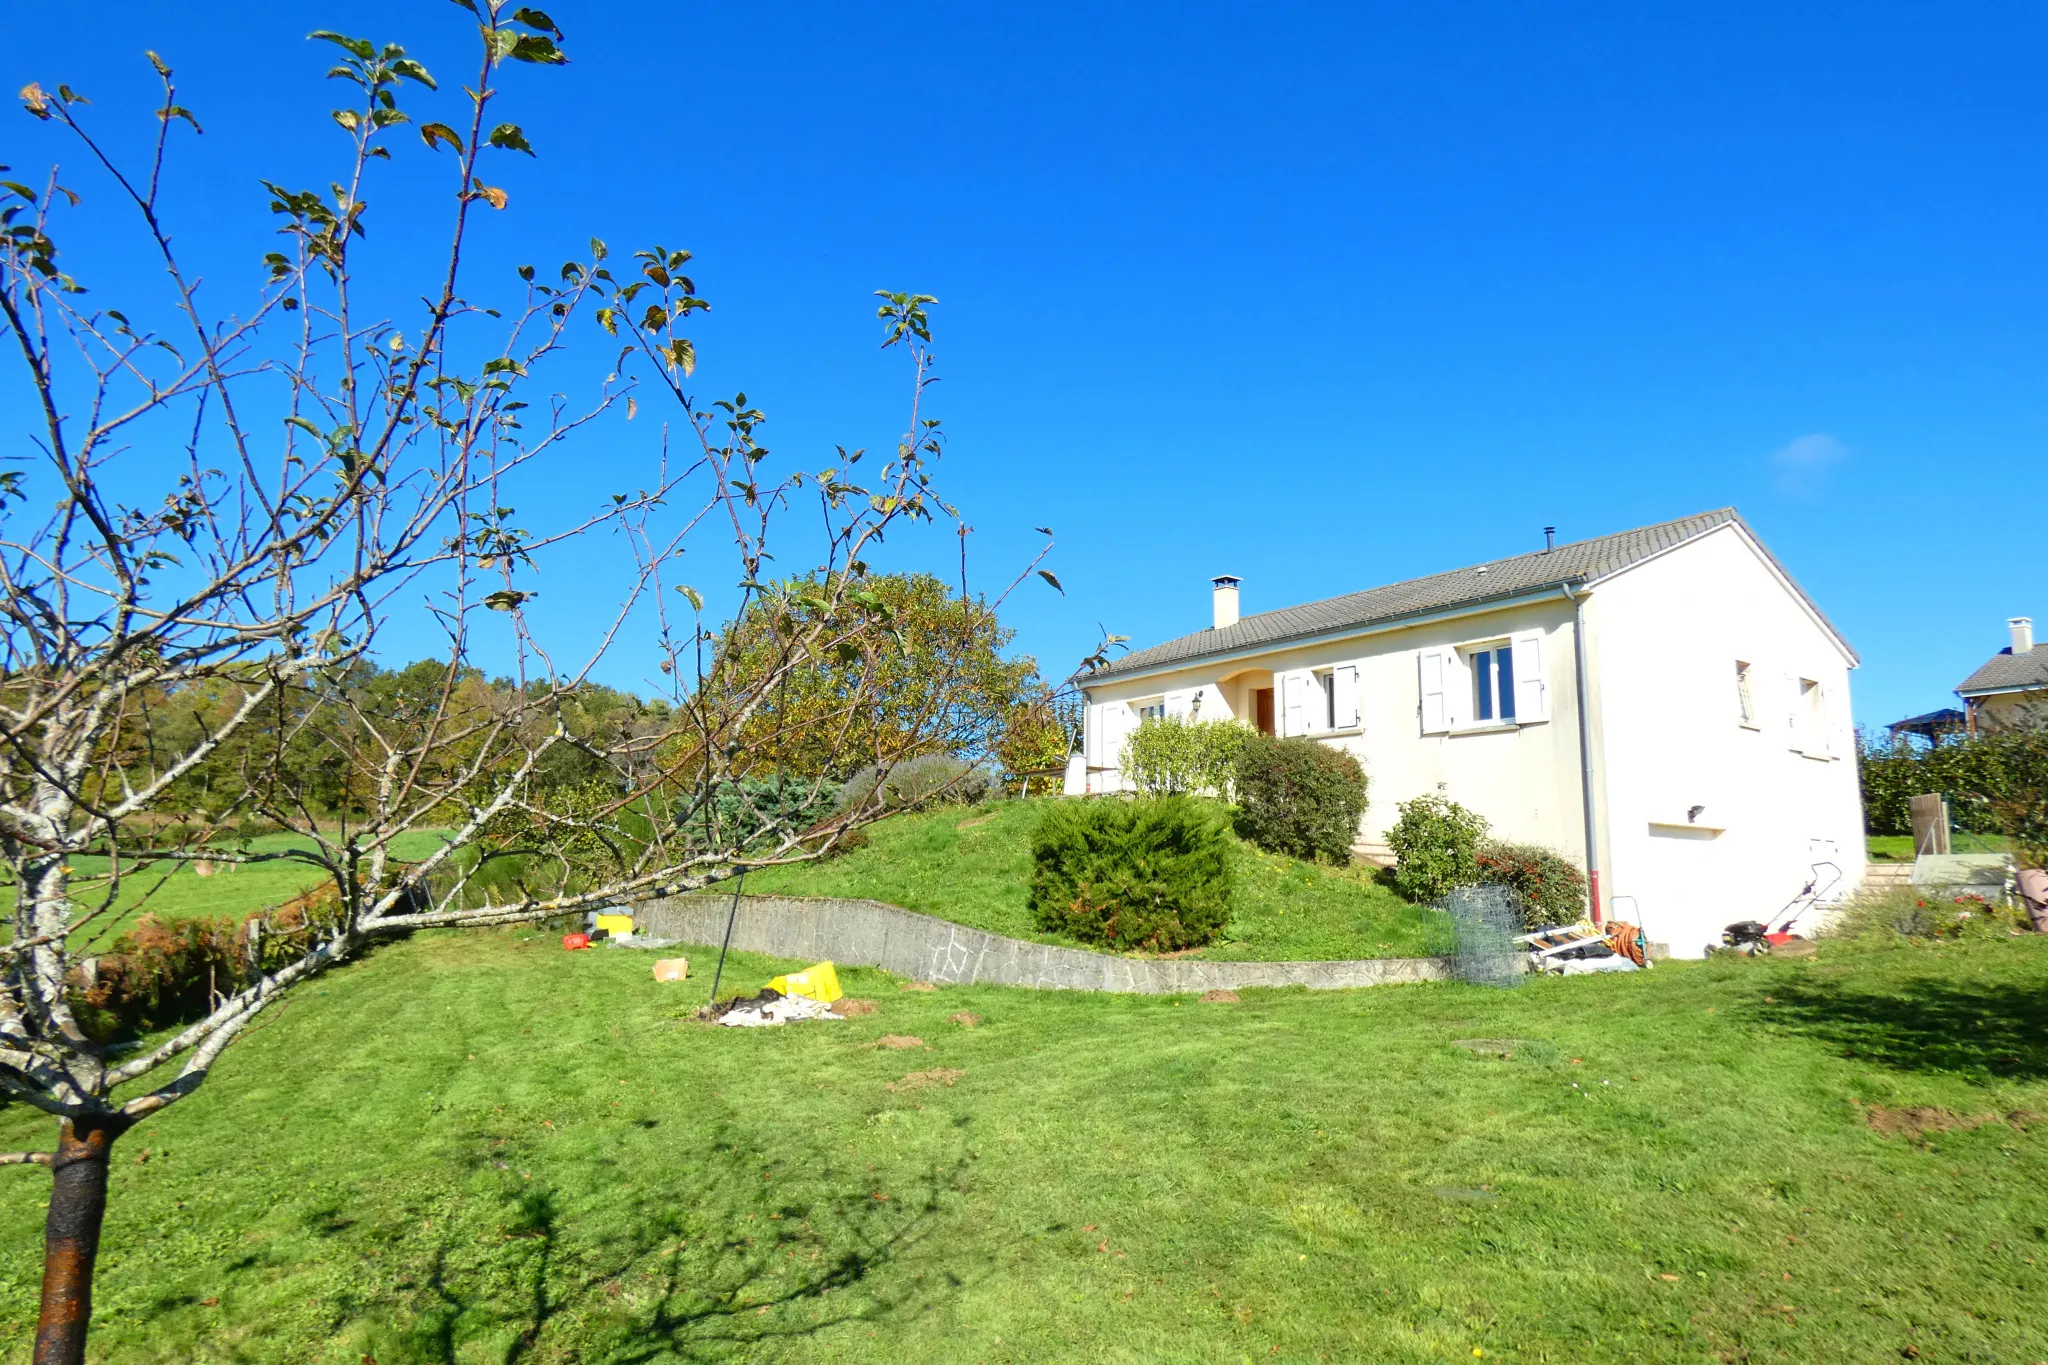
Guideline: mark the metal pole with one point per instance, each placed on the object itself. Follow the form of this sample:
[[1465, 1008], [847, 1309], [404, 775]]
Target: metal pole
[[732, 915]]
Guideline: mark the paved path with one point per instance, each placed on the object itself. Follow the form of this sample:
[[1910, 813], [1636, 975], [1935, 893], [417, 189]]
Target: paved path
[[872, 934]]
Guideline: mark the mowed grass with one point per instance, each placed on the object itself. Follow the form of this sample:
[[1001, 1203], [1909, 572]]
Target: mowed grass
[[972, 865], [477, 1148], [1898, 848], [176, 890]]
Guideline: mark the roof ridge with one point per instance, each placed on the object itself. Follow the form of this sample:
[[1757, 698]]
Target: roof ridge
[[1586, 560]]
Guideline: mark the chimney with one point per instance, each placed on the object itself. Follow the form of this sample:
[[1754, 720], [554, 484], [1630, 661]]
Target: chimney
[[1226, 599], [2022, 627], [1549, 539]]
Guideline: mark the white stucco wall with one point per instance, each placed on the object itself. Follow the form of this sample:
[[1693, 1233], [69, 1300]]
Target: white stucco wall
[[1776, 796]]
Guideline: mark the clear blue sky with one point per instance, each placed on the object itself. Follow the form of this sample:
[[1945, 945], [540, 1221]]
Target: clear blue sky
[[1321, 296]]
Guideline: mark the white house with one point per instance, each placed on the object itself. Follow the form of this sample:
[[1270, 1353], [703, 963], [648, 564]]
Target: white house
[[1664, 705]]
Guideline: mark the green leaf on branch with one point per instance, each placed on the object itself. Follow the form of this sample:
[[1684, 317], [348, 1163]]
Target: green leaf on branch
[[509, 136], [507, 599], [171, 111], [683, 355], [534, 18], [1047, 576], [358, 48], [491, 195], [435, 133], [158, 63], [691, 595], [412, 70]]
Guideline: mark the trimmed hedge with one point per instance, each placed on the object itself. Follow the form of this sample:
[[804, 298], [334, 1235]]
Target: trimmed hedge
[[1152, 873], [1548, 886], [1298, 797]]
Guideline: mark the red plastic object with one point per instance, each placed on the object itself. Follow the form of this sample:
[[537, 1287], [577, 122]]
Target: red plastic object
[[571, 942], [1776, 940]]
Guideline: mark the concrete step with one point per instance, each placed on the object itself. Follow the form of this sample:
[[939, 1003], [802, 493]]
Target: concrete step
[[1886, 876]]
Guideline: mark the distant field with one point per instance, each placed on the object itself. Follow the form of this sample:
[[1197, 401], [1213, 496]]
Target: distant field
[[176, 891], [972, 865]]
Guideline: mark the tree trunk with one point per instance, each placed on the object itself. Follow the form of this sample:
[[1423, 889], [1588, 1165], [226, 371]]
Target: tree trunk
[[71, 1236]]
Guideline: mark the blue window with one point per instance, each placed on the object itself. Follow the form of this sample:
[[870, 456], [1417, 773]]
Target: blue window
[[1493, 683]]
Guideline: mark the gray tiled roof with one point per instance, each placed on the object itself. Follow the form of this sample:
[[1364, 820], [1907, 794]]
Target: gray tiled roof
[[1583, 561], [2007, 670]]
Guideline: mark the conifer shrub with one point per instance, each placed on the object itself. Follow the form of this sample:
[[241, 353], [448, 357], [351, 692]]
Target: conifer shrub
[[1298, 797], [1549, 888], [1436, 847], [1152, 873]]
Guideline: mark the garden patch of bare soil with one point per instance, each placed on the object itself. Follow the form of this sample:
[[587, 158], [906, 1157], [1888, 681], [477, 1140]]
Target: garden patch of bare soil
[[1916, 1121]]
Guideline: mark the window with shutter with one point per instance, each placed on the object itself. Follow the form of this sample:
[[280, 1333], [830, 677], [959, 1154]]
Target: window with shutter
[[1294, 703], [1344, 697], [1434, 665], [1531, 686]]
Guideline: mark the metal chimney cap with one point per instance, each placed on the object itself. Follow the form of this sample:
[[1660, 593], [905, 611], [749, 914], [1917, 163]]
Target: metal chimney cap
[[1226, 580]]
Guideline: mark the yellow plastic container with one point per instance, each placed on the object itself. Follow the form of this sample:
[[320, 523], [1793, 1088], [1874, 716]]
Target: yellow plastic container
[[615, 924], [818, 981]]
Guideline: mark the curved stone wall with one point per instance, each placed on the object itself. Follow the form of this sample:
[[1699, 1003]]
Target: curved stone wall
[[873, 934]]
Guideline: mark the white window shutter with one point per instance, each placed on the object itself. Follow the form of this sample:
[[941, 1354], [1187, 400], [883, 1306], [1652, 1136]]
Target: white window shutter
[[1436, 712], [1177, 704], [1795, 720], [1532, 685], [1294, 687], [1345, 682]]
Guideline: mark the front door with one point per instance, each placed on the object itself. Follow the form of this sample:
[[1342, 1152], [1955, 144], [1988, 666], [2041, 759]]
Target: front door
[[1265, 707]]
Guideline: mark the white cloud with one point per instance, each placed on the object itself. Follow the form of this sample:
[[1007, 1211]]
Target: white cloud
[[1801, 466]]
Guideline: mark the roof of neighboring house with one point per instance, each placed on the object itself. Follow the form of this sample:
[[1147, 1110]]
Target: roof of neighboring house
[[1934, 722], [2008, 672], [1583, 561]]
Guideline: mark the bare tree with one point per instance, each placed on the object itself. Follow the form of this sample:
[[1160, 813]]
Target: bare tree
[[247, 503]]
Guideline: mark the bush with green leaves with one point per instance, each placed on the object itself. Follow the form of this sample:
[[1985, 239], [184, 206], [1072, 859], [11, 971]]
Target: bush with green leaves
[[1153, 873], [760, 811], [1299, 797], [1166, 756], [1549, 888], [1436, 847], [913, 783]]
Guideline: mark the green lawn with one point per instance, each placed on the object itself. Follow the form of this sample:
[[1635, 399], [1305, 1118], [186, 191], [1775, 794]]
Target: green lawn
[[176, 891], [972, 865], [1898, 848], [481, 1149]]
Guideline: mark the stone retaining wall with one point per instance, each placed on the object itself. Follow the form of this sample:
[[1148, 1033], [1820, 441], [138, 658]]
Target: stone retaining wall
[[872, 934]]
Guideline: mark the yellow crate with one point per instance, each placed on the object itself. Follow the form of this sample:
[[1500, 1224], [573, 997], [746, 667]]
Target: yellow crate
[[615, 924], [818, 981]]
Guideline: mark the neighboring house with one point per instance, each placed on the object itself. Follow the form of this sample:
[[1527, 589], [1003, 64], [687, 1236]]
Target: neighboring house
[[2011, 689], [1932, 727], [1664, 705]]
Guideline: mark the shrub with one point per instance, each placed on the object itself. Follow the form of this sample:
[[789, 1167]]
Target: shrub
[[1922, 913], [1548, 886], [916, 782], [1298, 797], [1168, 756], [1152, 873], [162, 972], [756, 812], [1436, 847]]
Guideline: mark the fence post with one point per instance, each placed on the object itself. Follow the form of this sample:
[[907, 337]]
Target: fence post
[[1930, 824]]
